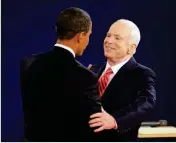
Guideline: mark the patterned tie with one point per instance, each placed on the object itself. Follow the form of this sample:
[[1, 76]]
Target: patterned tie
[[103, 81]]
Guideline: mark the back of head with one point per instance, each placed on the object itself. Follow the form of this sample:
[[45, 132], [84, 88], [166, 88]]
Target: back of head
[[72, 21]]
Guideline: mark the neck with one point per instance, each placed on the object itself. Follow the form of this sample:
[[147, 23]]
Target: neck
[[117, 61], [68, 43]]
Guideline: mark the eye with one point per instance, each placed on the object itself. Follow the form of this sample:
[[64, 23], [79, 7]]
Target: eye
[[117, 38], [108, 35]]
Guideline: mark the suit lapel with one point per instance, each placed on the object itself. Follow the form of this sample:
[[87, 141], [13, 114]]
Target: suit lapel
[[118, 79], [98, 69]]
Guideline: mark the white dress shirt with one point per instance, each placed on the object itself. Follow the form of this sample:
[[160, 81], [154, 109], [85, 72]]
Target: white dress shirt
[[114, 68], [66, 48]]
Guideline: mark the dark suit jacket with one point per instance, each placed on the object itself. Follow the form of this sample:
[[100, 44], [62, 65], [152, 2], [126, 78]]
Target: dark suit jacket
[[129, 98], [59, 94]]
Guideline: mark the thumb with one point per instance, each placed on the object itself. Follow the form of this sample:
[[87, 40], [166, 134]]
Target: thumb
[[89, 66], [103, 110]]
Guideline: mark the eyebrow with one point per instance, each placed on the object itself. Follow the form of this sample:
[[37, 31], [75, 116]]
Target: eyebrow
[[117, 35]]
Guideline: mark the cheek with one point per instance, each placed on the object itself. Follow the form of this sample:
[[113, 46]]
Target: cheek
[[121, 50], [105, 41], [117, 45], [86, 41], [120, 46], [110, 53]]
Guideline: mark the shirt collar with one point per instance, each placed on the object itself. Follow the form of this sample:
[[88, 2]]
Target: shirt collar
[[66, 48], [116, 67]]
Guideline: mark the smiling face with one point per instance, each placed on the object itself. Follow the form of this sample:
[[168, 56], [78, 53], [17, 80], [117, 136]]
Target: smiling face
[[117, 45]]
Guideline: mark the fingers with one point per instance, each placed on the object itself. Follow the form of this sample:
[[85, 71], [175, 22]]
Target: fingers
[[99, 129], [102, 109], [96, 120], [96, 124], [96, 115], [89, 66]]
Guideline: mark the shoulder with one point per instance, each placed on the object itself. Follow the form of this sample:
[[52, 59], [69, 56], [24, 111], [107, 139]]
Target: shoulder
[[84, 72], [28, 61], [144, 73], [96, 67], [144, 70]]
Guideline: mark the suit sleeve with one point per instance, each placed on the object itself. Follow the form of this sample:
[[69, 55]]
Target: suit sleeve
[[28, 82], [24, 65], [92, 96], [135, 113], [21, 70]]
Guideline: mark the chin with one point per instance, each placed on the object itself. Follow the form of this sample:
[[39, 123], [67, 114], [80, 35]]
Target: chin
[[80, 54], [106, 54]]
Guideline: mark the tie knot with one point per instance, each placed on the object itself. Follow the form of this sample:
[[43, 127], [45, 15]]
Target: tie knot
[[109, 71]]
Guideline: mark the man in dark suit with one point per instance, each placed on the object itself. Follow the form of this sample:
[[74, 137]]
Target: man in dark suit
[[59, 94], [127, 88]]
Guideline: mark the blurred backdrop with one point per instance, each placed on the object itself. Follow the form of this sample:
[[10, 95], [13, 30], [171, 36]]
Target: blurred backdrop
[[28, 27]]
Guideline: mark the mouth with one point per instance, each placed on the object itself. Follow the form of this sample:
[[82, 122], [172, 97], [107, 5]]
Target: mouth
[[108, 48]]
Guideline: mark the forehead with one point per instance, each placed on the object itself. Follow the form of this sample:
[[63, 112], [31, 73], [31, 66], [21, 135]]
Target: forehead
[[120, 29]]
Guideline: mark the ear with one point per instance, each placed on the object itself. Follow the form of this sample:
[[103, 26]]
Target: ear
[[132, 49], [80, 36]]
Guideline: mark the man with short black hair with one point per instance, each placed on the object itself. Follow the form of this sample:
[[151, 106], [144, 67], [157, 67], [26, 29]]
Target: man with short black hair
[[59, 94]]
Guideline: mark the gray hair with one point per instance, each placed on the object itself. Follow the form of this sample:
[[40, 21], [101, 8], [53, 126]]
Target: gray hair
[[135, 32]]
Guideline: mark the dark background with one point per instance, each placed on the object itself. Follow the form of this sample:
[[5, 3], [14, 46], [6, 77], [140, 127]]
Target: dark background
[[28, 27]]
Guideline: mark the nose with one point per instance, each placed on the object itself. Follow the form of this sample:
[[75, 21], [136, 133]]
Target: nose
[[109, 40]]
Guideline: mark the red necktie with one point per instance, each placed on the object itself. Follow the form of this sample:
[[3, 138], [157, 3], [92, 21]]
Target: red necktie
[[103, 81]]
